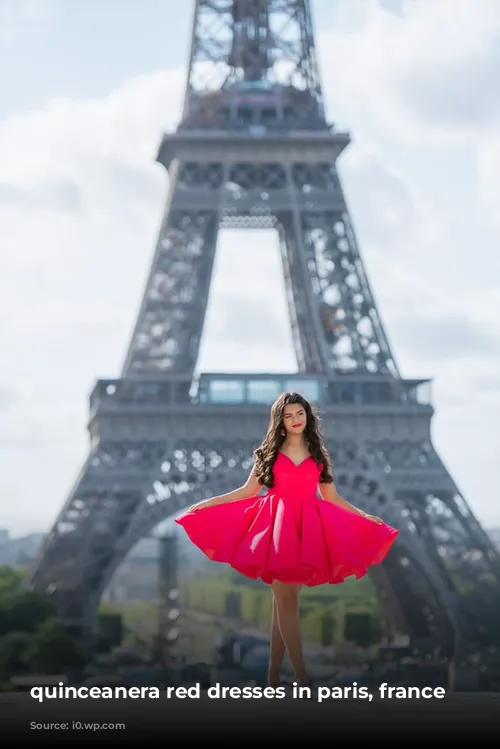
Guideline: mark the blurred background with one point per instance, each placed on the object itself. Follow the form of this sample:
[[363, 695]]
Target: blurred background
[[87, 90]]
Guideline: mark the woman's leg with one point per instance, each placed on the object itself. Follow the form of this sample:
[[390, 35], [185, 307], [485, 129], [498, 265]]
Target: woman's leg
[[277, 652], [287, 605]]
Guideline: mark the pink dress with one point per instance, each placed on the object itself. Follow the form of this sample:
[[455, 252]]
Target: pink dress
[[289, 534]]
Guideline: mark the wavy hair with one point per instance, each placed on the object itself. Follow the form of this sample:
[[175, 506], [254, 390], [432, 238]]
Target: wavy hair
[[265, 455]]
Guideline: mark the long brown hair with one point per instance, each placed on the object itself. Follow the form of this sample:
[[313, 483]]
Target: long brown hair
[[265, 455]]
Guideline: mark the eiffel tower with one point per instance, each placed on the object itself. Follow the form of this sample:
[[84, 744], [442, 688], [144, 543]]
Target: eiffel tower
[[254, 150]]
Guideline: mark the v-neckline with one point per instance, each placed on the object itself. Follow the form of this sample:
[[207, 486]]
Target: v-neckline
[[297, 465]]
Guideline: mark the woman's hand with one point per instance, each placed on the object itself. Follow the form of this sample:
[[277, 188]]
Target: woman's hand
[[204, 504], [374, 519]]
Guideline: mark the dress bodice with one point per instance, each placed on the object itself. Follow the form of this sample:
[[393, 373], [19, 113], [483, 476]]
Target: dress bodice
[[292, 480]]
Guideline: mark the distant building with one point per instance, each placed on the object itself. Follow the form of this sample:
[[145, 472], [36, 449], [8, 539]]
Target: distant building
[[494, 534], [19, 551]]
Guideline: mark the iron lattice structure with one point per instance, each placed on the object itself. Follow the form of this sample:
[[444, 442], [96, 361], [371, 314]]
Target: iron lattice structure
[[254, 149], [168, 598]]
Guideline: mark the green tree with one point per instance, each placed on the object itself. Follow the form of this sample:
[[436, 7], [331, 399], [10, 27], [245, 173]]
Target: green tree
[[23, 611], [110, 630], [13, 647], [363, 629], [10, 580], [53, 649], [31, 637]]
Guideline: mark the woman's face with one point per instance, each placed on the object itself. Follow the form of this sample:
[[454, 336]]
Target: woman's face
[[294, 418]]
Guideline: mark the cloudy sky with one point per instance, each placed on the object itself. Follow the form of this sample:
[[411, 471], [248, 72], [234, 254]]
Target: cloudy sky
[[86, 91]]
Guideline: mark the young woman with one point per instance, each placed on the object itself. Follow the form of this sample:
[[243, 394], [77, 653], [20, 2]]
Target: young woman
[[289, 537]]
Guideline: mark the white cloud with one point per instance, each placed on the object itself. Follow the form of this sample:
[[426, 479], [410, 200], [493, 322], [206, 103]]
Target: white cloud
[[488, 176], [81, 202], [424, 74]]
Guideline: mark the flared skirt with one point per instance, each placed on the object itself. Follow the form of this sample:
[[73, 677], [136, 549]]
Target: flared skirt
[[309, 542]]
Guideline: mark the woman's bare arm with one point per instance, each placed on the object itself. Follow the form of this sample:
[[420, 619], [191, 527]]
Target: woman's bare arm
[[250, 488]]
